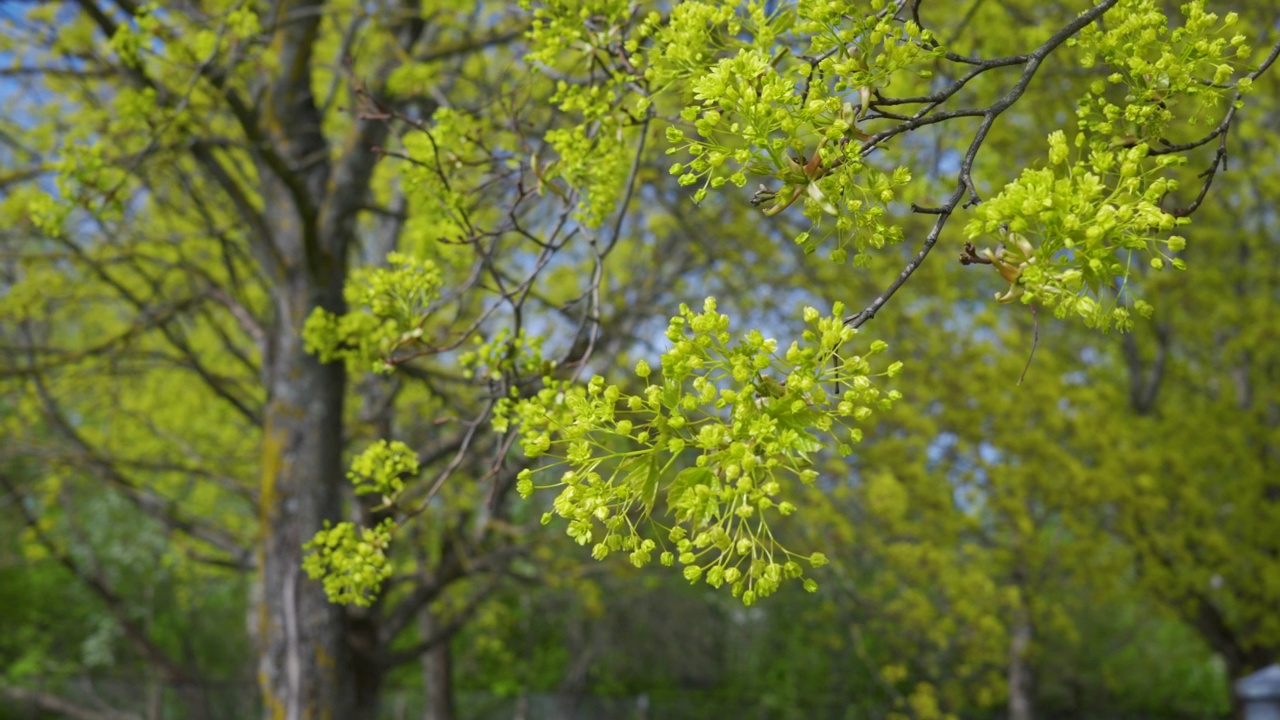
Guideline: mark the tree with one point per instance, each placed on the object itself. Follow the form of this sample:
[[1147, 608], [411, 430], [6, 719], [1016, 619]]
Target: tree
[[194, 183], [200, 176], [187, 183], [807, 82], [1135, 461]]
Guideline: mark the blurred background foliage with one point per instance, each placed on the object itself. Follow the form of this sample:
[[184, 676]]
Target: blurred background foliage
[[1103, 535]]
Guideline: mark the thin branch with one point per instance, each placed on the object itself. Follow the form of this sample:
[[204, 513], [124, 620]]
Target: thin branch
[[965, 181], [1220, 132], [443, 633], [470, 45], [158, 507], [170, 333], [597, 273], [1035, 342], [55, 704]]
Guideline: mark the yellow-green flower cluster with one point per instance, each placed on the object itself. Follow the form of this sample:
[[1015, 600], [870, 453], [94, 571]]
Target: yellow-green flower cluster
[[750, 121], [726, 437], [865, 48], [736, 70], [592, 151], [561, 27], [1069, 232], [690, 39], [382, 468], [1157, 70], [389, 308], [351, 566], [503, 354], [352, 562]]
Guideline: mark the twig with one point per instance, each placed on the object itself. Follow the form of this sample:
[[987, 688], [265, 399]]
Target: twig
[[1035, 341]]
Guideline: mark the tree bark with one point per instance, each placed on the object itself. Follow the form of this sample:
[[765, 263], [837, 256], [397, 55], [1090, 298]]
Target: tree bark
[[437, 672], [315, 659], [1021, 703], [367, 667], [303, 656], [304, 660]]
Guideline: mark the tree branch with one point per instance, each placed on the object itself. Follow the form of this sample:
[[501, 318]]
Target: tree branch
[[54, 704], [442, 633], [965, 181], [158, 507]]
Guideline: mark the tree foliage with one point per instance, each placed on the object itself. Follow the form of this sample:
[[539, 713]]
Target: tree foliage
[[321, 285]]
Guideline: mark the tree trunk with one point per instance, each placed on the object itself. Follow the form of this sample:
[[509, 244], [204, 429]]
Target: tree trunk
[[437, 672], [304, 661], [367, 667], [1020, 677], [315, 661], [305, 665]]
